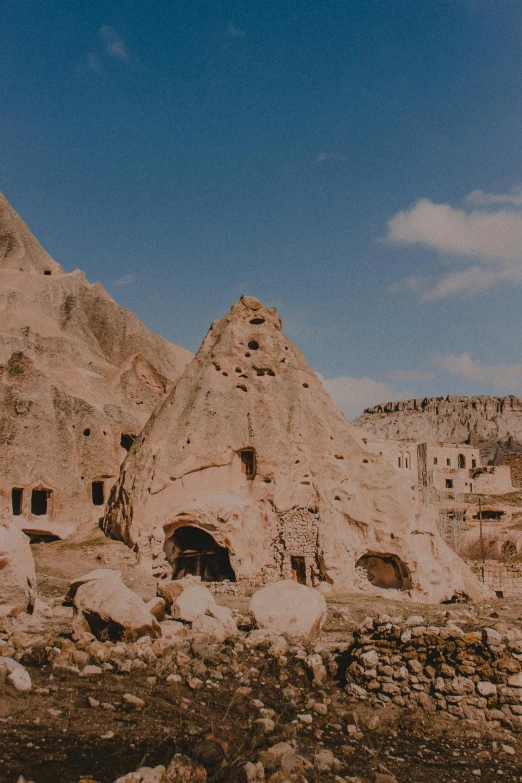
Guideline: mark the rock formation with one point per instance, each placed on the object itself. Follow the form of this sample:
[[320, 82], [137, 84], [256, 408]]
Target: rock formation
[[17, 573], [248, 468], [492, 423], [79, 376]]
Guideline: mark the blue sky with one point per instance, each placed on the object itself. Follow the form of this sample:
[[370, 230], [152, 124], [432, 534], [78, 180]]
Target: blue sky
[[356, 164]]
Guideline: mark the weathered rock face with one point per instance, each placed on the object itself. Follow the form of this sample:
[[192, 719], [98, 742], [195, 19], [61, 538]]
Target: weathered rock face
[[77, 372], [17, 574], [494, 423], [248, 469]]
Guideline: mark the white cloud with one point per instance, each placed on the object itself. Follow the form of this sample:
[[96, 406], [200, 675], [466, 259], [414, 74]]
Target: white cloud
[[124, 281], [233, 31], [353, 395], [113, 43], [411, 375], [487, 199], [491, 237], [501, 376]]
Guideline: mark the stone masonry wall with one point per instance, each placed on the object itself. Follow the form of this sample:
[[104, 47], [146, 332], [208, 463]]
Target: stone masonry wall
[[476, 675], [505, 578], [514, 461], [297, 536]]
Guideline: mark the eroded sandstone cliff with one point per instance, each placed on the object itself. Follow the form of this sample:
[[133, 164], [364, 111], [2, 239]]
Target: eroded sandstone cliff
[[79, 377]]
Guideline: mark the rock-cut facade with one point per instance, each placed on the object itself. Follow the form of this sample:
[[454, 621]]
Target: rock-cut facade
[[248, 470], [79, 377]]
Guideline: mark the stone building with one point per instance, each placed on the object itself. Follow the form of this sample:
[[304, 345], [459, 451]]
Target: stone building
[[443, 467], [248, 470]]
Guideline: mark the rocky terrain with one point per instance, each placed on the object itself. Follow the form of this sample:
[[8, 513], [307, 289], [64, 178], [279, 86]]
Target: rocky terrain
[[384, 693], [494, 423]]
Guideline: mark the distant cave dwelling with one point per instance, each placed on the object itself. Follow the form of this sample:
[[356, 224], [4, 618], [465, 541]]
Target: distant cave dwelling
[[191, 550]]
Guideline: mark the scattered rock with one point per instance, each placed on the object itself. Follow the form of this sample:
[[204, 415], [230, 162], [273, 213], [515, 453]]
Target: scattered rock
[[107, 608], [290, 608]]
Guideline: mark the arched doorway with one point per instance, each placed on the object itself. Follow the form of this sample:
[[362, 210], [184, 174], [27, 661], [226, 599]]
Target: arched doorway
[[385, 571], [191, 550]]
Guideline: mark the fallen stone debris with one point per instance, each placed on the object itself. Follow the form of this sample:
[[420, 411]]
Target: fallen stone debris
[[216, 698]]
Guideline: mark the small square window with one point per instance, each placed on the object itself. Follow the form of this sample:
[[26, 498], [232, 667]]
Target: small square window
[[449, 483], [448, 462]]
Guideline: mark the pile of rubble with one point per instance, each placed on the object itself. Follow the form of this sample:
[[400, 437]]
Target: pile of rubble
[[473, 674]]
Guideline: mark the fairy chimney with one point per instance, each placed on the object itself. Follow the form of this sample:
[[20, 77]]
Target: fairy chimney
[[249, 470]]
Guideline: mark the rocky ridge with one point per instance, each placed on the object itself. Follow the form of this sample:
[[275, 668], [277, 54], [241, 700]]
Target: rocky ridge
[[493, 423]]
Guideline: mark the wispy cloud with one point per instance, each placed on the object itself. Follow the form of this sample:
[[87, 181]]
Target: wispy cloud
[[491, 237], [500, 376], [93, 63], [353, 395], [411, 375], [124, 280], [233, 31], [113, 43], [329, 157], [478, 197]]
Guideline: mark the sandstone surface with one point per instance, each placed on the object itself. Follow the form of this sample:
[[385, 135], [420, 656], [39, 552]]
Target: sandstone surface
[[79, 376], [107, 608], [290, 608], [17, 573], [248, 468]]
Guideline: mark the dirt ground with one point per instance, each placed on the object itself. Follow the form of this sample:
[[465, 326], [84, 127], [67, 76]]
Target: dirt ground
[[53, 735]]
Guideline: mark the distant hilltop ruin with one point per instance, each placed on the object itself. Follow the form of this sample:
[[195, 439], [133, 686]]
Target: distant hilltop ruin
[[494, 424]]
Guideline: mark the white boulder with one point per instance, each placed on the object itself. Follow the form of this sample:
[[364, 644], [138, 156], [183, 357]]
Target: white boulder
[[17, 674], [290, 608], [17, 573], [107, 608]]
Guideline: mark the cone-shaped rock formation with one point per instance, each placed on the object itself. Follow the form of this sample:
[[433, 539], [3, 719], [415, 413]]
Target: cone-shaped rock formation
[[249, 469], [79, 376]]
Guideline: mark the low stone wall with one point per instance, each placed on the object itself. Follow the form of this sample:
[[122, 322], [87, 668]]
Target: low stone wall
[[514, 461], [504, 578], [475, 675]]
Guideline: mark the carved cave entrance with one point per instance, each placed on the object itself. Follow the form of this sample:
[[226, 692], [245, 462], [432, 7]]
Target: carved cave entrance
[[385, 571], [191, 550]]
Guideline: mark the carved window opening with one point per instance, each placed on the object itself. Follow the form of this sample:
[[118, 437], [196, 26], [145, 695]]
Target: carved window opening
[[127, 440], [448, 462], [473, 463], [407, 462], [462, 461], [47, 272], [248, 462], [435, 460], [399, 460], [98, 493], [17, 498], [191, 550], [40, 502], [449, 483], [385, 571]]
